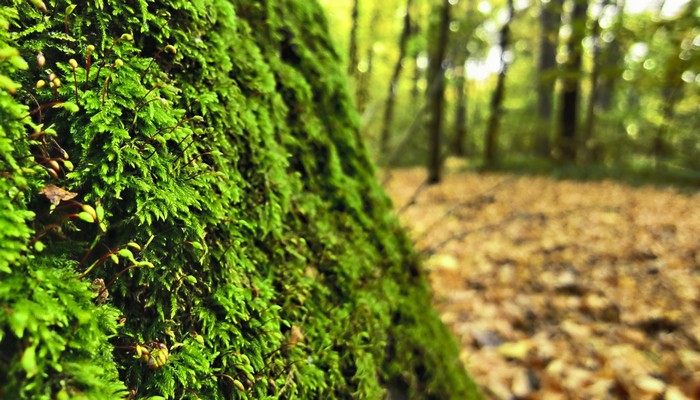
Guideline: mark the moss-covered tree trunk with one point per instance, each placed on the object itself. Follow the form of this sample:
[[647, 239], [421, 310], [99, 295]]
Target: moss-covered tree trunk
[[191, 213]]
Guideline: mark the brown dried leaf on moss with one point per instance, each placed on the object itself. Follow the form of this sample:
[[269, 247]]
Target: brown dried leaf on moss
[[56, 194]]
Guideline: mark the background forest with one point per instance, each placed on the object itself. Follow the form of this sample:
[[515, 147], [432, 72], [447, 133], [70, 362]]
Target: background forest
[[555, 288], [609, 83]]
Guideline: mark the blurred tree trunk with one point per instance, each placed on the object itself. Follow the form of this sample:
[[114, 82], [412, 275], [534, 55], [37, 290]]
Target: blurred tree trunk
[[416, 52], [671, 93], [570, 82], [352, 51], [394, 82], [363, 78], [458, 145], [587, 141], [610, 61], [491, 138], [460, 135], [364, 73], [550, 21], [435, 91], [417, 75]]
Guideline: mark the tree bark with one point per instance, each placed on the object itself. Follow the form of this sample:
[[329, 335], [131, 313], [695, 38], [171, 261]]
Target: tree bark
[[491, 145], [570, 83], [436, 91], [394, 83]]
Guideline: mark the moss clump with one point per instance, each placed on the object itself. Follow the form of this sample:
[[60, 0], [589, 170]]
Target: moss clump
[[193, 214]]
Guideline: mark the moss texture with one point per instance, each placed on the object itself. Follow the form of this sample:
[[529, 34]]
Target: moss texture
[[191, 213]]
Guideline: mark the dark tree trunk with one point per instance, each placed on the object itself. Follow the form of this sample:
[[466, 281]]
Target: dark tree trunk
[[491, 145], [394, 83], [550, 21], [436, 90], [570, 83], [587, 139], [458, 146], [352, 51]]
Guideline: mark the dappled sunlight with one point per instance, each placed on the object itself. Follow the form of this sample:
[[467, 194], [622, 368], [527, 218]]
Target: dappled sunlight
[[562, 289]]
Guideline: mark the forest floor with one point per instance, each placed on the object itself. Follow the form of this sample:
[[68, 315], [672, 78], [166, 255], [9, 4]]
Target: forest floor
[[560, 289]]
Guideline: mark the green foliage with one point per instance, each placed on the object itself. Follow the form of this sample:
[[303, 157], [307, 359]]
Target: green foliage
[[645, 61], [195, 214], [14, 231]]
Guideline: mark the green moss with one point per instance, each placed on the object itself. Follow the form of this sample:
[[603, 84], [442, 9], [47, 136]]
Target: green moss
[[243, 228]]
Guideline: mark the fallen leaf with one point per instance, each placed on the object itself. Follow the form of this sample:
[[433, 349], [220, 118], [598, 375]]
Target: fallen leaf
[[650, 384], [515, 350], [56, 194], [674, 393], [523, 384]]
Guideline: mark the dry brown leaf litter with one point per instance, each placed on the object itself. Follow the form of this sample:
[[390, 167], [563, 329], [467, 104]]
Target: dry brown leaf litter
[[562, 289]]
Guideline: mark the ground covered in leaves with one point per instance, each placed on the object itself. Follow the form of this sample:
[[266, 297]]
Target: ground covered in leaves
[[562, 289]]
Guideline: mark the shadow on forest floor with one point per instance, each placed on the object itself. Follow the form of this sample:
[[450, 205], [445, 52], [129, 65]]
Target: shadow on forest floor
[[562, 289]]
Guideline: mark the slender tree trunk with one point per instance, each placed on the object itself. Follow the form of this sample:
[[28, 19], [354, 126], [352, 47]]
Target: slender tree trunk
[[458, 146], [363, 79], [417, 70], [587, 139], [436, 90], [671, 93], [550, 21], [417, 75], [352, 51], [460, 135], [364, 76], [491, 145], [570, 83], [394, 82]]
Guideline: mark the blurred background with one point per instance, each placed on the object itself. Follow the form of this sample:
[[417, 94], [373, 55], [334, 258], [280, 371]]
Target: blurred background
[[526, 84], [577, 288]]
